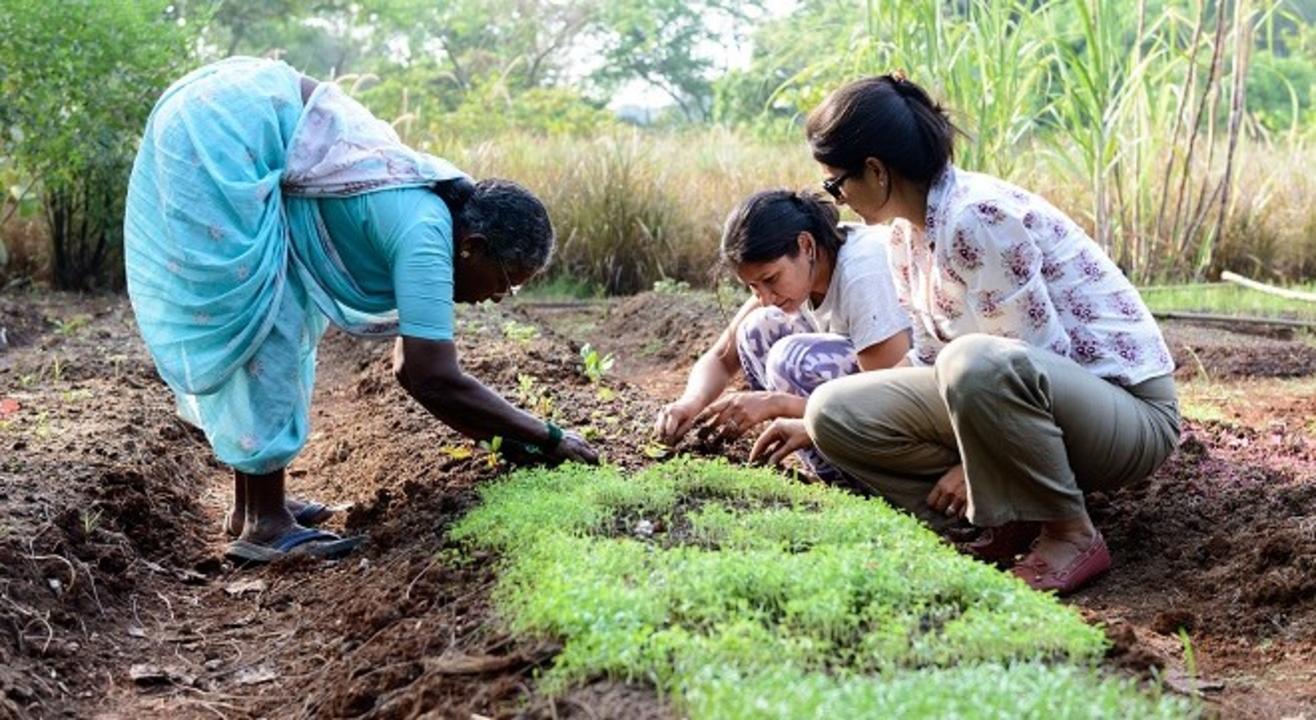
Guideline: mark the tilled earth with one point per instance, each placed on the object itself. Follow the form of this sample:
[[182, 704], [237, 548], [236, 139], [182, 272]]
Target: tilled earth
[[115, 600]]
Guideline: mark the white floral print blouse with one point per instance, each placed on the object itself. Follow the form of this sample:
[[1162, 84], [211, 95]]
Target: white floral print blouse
[[996, 259]]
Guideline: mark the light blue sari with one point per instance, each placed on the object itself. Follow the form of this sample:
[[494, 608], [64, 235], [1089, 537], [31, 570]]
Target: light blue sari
[[230, 300]]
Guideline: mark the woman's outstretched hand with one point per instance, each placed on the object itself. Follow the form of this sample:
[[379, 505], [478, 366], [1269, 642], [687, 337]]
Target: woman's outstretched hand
[[574, 448], [675, 420], [735, 414], [783, 437]]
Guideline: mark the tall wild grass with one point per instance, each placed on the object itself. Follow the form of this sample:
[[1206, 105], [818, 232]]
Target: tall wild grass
[[632, 207]]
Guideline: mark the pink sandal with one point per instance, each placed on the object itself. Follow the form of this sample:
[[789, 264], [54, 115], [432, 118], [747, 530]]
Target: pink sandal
[[1093, 561]]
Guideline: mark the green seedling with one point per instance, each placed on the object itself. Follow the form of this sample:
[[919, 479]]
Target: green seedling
[[117, 362], [655, 450], [27, 381], [778, 599], [91, 519], [520, 332], [493, 447], [594, 364], [453, 557], [74, 396], [42, 426], [653, 347], [533, 396], [70, 327], [668, 286]]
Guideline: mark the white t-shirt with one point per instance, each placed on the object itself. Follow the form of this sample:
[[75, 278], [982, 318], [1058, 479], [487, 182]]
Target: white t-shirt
[[861, 301]]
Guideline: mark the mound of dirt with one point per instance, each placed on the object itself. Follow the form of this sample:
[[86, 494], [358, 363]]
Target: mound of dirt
[[1228, 522], [100, 491], [666, 328], [20, 322], [1216, 353]]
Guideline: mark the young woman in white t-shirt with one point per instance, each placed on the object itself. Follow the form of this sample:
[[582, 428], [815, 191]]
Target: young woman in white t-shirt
[[823, 306]]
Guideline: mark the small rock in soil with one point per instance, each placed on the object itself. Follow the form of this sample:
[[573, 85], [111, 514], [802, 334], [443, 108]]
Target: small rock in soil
[[1186, 684], [243, 587], [150, 675], [255, 675]]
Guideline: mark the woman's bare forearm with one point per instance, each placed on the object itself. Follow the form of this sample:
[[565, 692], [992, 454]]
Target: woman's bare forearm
[[431, 374], [476, 411]]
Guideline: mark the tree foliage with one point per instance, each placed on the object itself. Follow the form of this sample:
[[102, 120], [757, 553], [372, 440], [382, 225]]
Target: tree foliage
[[73, 109]]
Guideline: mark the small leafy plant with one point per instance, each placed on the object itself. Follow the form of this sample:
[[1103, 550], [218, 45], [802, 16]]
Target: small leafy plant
[[533, 396], [91, 519], [594, 364], [520, 332], [669, 286], [493, 447], [71, 326], [457, 452], [655, 450]]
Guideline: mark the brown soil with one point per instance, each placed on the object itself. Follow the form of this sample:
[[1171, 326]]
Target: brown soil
[[110, 551], [1221, 353]]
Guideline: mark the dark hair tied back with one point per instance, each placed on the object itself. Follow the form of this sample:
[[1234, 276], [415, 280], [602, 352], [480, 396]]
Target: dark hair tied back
[[766, 226], [887, 117], [455, 193], [512, 220]]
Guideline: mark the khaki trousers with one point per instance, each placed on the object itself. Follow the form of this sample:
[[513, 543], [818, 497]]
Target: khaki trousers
[[1034, 430]]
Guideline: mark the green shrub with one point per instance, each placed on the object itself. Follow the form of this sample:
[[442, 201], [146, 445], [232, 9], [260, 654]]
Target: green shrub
[[75, 109]]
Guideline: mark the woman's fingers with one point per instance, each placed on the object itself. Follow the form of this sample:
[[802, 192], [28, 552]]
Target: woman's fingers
[[765, 443], [673, 423], [575, 448], [682, 426], [788, 446], [959, 504], [937, 499], [713, 412], [782, 438]]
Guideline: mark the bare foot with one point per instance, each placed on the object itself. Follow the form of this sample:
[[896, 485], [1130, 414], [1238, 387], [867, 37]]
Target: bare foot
[[234, 519], [264, 530]]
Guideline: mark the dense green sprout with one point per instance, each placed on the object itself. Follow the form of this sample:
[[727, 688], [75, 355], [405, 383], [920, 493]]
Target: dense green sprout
[[739, 593]]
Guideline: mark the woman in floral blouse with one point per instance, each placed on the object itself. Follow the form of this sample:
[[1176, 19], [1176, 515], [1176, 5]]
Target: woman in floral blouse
[[1036, 373]]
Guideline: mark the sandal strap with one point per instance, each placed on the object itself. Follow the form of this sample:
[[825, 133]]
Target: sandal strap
[[286, 543]]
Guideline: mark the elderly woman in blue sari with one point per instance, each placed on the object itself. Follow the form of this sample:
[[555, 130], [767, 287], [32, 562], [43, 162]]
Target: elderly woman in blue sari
[[264, 206]]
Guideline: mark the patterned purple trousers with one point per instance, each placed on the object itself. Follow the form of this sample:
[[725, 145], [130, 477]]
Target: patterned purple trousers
[[785, 353]]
